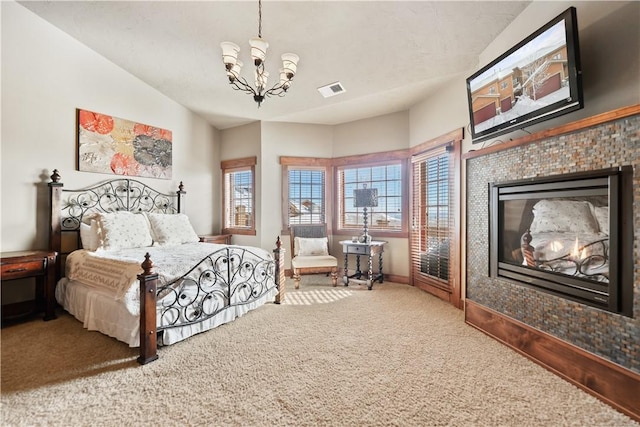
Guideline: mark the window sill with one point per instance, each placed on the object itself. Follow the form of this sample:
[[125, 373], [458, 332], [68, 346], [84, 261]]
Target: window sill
[[400, 234], [239, 231]]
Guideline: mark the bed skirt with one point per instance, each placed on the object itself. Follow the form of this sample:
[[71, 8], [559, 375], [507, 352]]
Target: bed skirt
[[98, 311]]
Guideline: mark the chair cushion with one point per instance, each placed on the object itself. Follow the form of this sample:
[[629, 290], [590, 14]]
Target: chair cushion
[[315, 261]]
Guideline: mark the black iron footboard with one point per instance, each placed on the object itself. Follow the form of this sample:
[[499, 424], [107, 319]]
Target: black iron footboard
[[225, 279]]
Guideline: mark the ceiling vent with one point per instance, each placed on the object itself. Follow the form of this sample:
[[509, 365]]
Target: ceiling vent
[[332, 89]]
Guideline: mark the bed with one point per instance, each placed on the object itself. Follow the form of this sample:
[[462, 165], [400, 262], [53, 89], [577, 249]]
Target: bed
[[132, 267], [570, 237]]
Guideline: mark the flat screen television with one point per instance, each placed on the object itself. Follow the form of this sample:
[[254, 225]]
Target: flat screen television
[[536, 80]]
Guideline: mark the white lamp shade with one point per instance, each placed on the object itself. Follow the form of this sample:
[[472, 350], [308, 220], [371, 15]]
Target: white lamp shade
[[258, 49], [290, 64], [365, 198], [229, 52]]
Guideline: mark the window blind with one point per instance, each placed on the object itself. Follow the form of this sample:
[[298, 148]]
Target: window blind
[[238, 198], [306, 196], [432, 215]]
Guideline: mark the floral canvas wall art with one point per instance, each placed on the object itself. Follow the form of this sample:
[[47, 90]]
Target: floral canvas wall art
[[108, 144]]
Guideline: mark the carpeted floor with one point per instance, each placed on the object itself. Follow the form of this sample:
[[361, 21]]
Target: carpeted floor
[[393, 356]]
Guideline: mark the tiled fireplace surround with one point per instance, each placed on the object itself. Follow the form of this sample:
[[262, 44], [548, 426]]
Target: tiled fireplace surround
[[612, 337]]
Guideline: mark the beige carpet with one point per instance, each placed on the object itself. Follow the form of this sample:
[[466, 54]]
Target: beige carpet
[[394, 356]]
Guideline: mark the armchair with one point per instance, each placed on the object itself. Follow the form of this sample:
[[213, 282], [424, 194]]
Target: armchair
[[310, 252]]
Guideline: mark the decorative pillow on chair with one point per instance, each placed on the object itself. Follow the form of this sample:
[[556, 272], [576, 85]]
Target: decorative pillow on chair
[[310, 246], [123, 230], [171, 229]]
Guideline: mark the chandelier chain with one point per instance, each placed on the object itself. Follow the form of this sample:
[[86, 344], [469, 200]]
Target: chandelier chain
[[260, 18]]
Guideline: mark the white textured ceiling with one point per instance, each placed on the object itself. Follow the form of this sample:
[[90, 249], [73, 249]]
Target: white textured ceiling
[[389, 55]]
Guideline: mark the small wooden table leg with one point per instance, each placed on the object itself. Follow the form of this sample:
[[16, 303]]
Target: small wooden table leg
[[370, 273], [50, 288], [345, 279]]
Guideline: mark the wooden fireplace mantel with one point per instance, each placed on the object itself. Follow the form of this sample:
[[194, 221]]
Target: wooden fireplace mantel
[[598, 119]]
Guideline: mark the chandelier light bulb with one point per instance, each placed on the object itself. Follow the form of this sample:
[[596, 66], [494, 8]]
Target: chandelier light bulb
[[234, 72], [284, 80], [290, 64], [229, 54], [258, 50]]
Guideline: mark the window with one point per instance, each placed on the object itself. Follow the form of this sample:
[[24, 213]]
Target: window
[[434, 239], [388, 180], [306, 196], [305, 186], [432, 203], [238, 196]]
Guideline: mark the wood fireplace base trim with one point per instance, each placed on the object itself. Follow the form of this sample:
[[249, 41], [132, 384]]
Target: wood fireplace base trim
[[613, 384]]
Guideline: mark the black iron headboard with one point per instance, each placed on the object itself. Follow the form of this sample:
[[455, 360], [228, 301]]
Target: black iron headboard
[[68, 207]]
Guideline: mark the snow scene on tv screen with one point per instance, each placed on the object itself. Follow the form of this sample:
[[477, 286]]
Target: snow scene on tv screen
[[531, 78]]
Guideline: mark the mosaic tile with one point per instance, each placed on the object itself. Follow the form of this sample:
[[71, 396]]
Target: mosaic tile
[[611, 336]]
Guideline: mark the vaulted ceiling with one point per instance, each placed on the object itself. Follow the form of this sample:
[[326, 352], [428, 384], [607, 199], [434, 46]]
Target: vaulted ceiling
[[388, 55]]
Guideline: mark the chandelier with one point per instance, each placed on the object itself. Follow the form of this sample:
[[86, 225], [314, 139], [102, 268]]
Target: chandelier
[[258, 53]]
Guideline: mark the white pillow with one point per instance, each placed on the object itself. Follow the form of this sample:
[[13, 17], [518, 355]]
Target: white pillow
[[602, 216], [123, 230], [171, 229], [89, 235], [563, 216], [308, 246]]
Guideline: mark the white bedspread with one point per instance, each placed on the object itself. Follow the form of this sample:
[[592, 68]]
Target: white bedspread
[[116, 272]]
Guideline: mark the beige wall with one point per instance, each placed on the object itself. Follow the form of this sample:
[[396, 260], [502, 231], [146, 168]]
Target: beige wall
[[237, 143], [285, 139], [609, 39], [377, 134], [46, 75], [441, 113], [272, 140]]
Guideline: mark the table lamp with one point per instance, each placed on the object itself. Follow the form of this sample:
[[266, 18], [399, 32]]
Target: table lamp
[[365, 198]]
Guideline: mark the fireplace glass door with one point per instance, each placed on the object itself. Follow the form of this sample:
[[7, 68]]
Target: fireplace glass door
[[563, 234]]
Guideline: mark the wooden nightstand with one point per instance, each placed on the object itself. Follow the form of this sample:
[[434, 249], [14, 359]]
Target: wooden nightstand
[[369, 250], [38, 264], [222, 239]]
